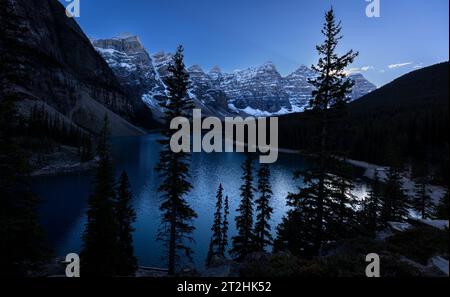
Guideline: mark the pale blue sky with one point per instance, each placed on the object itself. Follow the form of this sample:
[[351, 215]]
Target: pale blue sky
[[236, 34]]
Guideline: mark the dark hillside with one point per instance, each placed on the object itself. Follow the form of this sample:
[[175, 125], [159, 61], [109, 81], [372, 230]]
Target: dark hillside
[[405, 121]]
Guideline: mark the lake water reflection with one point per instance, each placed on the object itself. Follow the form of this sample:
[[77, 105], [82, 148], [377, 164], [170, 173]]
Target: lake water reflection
[[64, 198]]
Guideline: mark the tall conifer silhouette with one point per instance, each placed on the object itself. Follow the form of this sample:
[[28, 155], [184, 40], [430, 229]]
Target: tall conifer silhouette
[[226, 213], [263, 236], [177, 215], [317, 206], [243, 242], [100, 235], [125, 217]]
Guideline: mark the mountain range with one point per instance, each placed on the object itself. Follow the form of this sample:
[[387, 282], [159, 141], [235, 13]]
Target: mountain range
[[79, 80], [257, 91]]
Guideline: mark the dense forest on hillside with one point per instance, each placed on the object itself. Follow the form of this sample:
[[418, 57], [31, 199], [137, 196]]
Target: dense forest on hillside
[[404, 122]]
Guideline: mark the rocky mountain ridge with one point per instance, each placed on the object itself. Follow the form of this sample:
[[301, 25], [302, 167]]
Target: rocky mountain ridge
[[258, 91]]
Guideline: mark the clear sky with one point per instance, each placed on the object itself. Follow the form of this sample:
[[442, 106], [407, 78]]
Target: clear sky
[[236, 34]]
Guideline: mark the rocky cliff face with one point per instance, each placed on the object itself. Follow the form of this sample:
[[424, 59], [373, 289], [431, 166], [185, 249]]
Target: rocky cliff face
[[66, 74], [258, 88], [297, 87], [130, 62], [204, 89], [362, 86], [144, 76], [134, 69]]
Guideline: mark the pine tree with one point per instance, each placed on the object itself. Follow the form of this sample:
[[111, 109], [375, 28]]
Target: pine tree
[[176, 225], [422, 202], [226, 213], [343, 202], [298, 229], [372, 205], [263, 236], [330, 94], [442, 209], [243, 242], [331, 85], [125, 215], [210, 254], [395, 204], [22, 240], [217, 237], [100, 235], [318, 206]]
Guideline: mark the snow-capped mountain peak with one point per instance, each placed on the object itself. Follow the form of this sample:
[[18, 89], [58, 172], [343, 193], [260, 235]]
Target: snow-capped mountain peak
[[196, 68], [125, 35], [302, 71], [269, 66], [258, 90], [215, 70], [362, 86]]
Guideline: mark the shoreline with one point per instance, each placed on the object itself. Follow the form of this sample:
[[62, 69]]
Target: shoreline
[[436, 191], [61, 169]]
